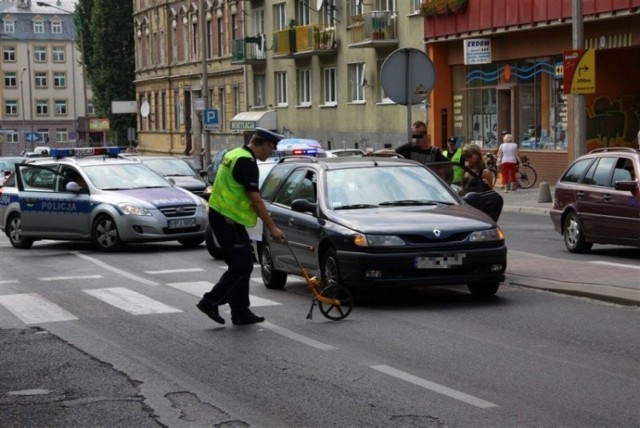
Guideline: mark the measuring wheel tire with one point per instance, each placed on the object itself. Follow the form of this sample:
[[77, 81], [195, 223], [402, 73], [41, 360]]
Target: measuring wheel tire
[[336, 312]]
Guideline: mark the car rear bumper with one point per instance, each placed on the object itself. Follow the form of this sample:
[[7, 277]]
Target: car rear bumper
[[367, 269]]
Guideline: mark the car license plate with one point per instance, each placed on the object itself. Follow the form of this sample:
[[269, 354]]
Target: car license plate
[[440, 261], [182, 223]]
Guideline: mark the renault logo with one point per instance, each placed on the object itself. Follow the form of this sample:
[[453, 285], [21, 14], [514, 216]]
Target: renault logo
[[436, 232], [179, 210]]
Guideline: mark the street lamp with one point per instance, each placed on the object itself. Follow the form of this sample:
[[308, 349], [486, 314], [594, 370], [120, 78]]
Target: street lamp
[[24, 130], [84, 72]]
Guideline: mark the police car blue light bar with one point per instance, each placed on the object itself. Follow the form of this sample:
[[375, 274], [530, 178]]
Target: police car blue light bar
[[84, 151]]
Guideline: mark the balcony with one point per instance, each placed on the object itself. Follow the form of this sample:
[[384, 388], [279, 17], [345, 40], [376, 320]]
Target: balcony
[[250, 50], [303, 41], [376, 29]]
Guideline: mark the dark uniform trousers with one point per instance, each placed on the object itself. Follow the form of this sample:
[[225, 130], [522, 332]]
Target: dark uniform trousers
[[233, 285]]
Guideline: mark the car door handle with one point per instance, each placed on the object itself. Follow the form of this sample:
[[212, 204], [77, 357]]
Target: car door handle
[[607, 197]]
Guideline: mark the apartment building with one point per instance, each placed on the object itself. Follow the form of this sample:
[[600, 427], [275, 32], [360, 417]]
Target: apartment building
[[43, 96]]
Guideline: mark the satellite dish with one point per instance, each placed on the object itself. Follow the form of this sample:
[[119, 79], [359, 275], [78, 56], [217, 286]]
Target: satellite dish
[[319, 4], [145, 109]]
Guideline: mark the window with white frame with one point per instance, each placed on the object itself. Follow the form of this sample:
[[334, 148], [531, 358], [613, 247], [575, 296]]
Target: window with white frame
[[10, 79], [42, 107], [302, 12], [38, 26], [41, 79], [9, 26], [56, 27], [383, 95], [60, 107], [280, 16], [259, 99], [11, 136], [355, 9], [387, 5], [416, 5], [9, 54], [11, 107], [280, 78], [59, 79], [40, 54], [57, 53], [62, 135], [329, 86], [220, 22], [44, 134], [356, 82], [329, 13], [304, 87]]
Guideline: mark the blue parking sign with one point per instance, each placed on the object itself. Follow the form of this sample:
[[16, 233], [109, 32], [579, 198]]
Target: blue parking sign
[[211, 119]]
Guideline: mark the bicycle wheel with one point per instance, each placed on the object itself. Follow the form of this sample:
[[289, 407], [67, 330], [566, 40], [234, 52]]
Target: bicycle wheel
[[526, 176], [336, 312]]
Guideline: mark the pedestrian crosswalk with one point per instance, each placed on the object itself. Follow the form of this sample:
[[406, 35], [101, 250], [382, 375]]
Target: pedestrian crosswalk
[[34, 309]]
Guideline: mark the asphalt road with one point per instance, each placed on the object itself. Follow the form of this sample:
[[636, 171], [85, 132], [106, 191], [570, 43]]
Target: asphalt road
[[432, 357]]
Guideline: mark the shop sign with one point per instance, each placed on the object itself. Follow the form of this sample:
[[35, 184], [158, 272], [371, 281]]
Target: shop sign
[[579, 71], [477, 51], [99, 124], [242, 125]]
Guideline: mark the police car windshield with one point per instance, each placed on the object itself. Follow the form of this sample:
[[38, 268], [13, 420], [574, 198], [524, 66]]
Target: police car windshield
[[124, 177]]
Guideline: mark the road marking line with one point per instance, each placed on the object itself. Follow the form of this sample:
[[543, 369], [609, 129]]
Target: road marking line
[[32, 308], [130, 301], [114, 269], [9, 281], [297, 337], [432, 386], [616, 264], [161, 272], [66, 278], [198, 288]]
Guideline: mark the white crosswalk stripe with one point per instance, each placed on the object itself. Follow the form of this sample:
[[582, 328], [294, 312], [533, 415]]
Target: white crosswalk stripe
[[198, 288], [32, 308], [130, 301]]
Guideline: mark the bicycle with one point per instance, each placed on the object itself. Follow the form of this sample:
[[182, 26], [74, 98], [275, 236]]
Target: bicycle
[[526, 175], [334, 301]]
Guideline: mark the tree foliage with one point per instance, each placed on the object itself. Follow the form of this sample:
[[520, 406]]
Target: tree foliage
[[106, 37]]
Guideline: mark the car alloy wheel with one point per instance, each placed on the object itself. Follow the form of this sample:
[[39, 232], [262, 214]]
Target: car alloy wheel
[[573, 236], [272, 278], [330, 268], [105, 234], [15, 233]]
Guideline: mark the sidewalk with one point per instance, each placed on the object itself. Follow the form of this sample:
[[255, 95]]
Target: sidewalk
[[608, 282]]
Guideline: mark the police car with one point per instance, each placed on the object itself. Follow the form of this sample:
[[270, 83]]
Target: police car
[[99, 198]]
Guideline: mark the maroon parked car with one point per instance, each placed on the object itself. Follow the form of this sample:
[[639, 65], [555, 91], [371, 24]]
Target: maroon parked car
[[597, 200]]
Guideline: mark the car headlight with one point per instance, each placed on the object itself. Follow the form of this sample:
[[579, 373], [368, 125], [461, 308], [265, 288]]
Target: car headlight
[[378, 241], [202, 202], [495, 234], [130, 209]]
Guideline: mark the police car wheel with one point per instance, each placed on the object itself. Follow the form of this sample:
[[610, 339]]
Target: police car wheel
[[105, 234], [191, 242], [14, 232], [212, 246]]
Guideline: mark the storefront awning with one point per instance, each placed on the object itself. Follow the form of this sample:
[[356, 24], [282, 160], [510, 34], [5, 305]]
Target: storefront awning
[[250, 120]]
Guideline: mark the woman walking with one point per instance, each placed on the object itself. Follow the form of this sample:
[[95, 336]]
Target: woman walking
[[508, 159]]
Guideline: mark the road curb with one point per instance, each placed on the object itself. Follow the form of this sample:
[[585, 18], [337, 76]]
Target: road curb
[[606, 293]]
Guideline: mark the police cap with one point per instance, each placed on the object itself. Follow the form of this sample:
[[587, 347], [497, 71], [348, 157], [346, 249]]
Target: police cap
[[265, 134]]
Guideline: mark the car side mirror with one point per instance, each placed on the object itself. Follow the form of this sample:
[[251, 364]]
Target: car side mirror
[[630, 186], [73, 187], [303, 205]]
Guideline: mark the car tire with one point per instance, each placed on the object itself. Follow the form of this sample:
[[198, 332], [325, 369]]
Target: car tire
[[212, 246], [191, 242], [483, 290], [272, 279], [331, 269], [573, 236], [14, 233], [104, 234]]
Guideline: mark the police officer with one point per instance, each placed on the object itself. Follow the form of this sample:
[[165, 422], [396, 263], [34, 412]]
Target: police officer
[[234, 205], [454, 154]]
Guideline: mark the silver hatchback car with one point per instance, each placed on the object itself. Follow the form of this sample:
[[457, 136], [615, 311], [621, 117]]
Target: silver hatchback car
[[102, 199]]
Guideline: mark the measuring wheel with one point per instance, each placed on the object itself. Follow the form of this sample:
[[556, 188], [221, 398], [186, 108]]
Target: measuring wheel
[[333, 311]]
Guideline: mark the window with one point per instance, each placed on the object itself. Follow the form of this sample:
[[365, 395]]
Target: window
[[44, 134], [329, 86], [60, 107], [40, 54], [387, 5], [329, 13], [42, 107], [11, 136], [258, 90], [356, 82], [9, 26], [62, 135], [304, 87], [416, 4], [41, 79], [281, 88], [11, 107], [57, 54], [59, 79], [302, 12], [10, 80], [220, 37], [280, 17], [38, 26], [9, 54], [56, 27]]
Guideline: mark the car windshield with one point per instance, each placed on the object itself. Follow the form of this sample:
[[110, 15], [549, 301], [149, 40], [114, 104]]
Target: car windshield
[[124, 177], [356, 188], [169, 167], [7, 164]]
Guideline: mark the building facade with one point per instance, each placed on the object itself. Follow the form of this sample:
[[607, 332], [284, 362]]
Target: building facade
[[43, 95]]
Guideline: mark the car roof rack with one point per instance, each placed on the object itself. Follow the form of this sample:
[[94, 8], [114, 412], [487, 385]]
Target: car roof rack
[[614, 149]]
